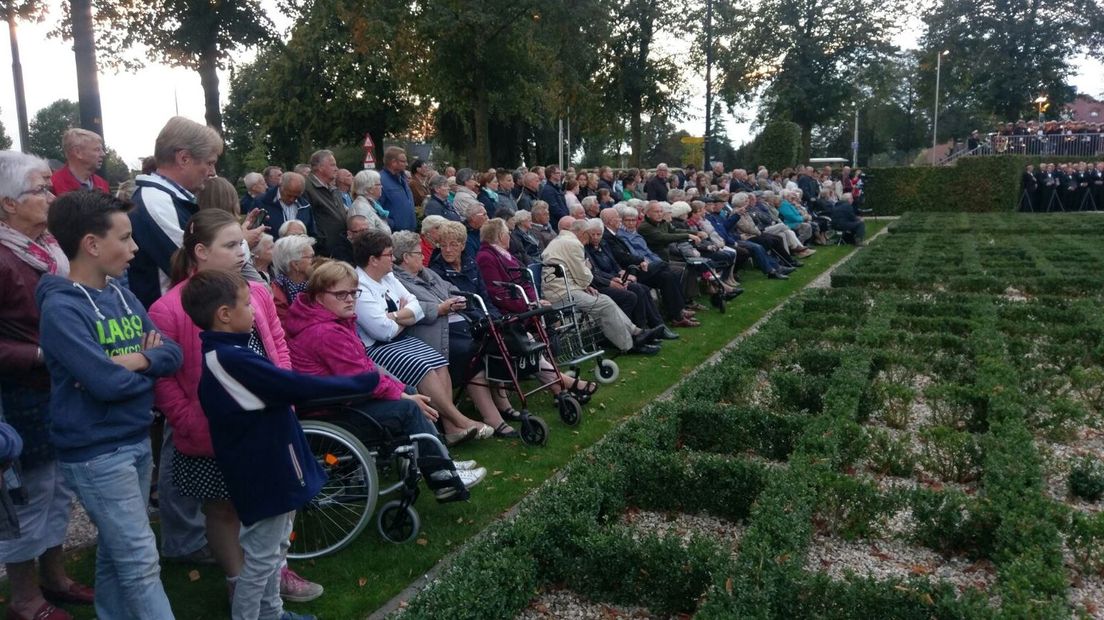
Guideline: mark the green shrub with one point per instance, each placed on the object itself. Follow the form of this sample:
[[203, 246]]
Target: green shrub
[[953, 456], [1089, 384], [848, 507], [951, 522], [1086, 479], [731, 430], [889, 454], [778, 146], [1086, 540]]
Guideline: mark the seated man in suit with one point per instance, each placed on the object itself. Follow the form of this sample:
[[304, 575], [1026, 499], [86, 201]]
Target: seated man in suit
[[285, 202], [846, 220], [634, 298]]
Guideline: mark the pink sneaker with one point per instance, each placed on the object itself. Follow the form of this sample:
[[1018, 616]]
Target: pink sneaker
[[295, 589]]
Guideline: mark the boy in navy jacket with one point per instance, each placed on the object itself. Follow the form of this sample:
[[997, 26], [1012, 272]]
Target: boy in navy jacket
[[259, 445]]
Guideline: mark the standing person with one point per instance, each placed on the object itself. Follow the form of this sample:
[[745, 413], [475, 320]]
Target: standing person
[[656, 187], [285, 203], [27, 253], [420, 174], [530, 191], [367, 190], [506, 192], [272, 176], [185, 154], [268, 467], [343, 182], [255, 189], [84, 154], [328, 209], [552, 192], [103, 354], [212, 242], [398, 198]]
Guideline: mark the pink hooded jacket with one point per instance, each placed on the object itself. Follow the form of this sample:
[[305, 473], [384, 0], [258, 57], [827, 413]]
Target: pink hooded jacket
[[178, 396], [323, 344]]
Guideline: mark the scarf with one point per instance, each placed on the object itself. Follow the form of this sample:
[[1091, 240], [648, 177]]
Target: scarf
[[291, 288], [43, 254]]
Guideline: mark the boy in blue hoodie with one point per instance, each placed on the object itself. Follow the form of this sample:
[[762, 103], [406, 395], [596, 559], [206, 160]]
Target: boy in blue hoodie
[[104, 354], [259, 445]]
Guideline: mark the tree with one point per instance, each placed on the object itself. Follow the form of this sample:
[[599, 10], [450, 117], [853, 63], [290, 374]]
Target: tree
[[202, 35], [12, 12], [330, 83], [5, 140], [47, 127], [803, 65], [1003, 55]]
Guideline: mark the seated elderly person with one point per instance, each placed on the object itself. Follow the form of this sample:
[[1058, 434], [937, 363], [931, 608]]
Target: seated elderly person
[[845, 218], [721, 260], [796, 219], [367, 189], [292, 227], [590, 207], [322, 340], [634, 298], [663, 238], [567, 251], [497, 266], [764, 213], [446, 327], [384, 311], [542, 228], [727, 227], [438, 202], [292, 263], [474, 215], [431, 224], [523, 239]]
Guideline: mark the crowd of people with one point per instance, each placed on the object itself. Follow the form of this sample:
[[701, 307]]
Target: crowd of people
[[176, 298], [1062, 187], [1023, 137]]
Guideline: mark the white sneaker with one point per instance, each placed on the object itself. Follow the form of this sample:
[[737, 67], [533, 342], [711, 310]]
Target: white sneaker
[[464, 465], [472, 477]]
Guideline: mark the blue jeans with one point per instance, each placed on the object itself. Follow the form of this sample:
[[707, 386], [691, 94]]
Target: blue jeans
[[759, 256], [257, 592], [114, 488]]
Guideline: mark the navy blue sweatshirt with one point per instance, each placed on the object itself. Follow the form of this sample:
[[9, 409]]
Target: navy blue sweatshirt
[[259, 445], [97, 405]]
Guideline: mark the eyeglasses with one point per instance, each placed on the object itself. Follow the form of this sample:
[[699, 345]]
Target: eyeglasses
[[41, 190], [387, 255], [345, 295]]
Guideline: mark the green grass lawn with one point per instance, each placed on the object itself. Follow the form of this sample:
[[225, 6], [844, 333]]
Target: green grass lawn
[[369, 572]]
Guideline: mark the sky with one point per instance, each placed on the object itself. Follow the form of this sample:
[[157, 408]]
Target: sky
[[137, 104]]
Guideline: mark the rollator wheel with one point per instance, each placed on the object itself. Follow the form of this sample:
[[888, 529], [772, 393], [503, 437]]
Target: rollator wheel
[[571, 411], [607, 371], [535, 431], [397, 523], [341, 510]]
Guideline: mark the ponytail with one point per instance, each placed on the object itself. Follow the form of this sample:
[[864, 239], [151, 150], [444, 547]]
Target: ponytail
[[201, 229]]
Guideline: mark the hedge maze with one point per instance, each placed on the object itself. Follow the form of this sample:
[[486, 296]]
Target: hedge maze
[[872, 452]]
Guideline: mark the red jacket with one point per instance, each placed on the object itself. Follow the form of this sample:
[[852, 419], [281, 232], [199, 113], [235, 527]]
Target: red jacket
[[496, 266], [324, 345], [64, 182], [178, 396], [19, 323]]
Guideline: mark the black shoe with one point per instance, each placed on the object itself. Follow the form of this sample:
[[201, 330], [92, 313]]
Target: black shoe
[[648, 336], [733, 294], [667, 334], [645, 349], [785, 270], [777, 275], [718, 302]]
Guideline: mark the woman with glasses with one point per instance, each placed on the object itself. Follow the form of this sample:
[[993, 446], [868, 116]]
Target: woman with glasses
[[385, 311], [322, 336]]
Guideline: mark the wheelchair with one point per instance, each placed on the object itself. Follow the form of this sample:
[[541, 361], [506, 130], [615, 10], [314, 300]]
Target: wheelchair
[[356, 452]]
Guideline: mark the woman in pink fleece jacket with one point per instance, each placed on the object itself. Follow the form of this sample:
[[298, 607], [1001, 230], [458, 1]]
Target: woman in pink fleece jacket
[[321, 327], [212, 241]]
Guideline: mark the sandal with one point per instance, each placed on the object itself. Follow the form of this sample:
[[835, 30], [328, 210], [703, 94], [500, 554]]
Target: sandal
[[510, 414], [583, 396], [505, 431]]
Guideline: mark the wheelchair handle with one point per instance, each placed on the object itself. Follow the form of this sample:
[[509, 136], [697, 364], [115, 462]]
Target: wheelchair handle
[[528, 314], [471, 297], [331, 401]]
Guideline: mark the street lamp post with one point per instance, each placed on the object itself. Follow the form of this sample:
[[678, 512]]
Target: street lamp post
[[935, 114]]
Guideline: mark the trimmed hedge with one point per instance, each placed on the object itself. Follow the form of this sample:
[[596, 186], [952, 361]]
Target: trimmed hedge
[[972, 185]]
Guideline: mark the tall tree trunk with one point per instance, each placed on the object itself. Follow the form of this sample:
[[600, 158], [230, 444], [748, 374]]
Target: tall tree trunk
[[208, 78], [806, 142], [17, 77], [84, 49], [481, 114], [636, 140]]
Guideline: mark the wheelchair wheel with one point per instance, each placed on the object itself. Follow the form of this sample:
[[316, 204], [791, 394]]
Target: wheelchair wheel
[[341, 510], [398, 524], [570, 409], [534, 431], [606, 371]]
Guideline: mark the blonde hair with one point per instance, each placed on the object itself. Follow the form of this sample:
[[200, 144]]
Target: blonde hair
[[327, 274], [218, 193], [452, 231], [492, 230], [181, 134], [75, 137]]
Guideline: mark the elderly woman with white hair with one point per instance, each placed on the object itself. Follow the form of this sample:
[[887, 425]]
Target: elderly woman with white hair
[[765, 214], [797, 219], [292, 264], [431, 224], [367, 189], [27, 252], [522, 238], [474, 215]]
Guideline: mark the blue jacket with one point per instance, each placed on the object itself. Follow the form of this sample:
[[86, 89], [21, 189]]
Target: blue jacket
[[467, 280], [11, 444], [557, 204], [444, 208], [162, 209], [724, 225], [398, 199], [270, 202], [259, 445], [790, 215], [97, 405]]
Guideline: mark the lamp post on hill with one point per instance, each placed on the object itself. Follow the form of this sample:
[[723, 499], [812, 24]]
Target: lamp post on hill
[[935, 114]]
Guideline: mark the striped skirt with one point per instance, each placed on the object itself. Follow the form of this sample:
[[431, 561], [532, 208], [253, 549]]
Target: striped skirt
[[408, 359]]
